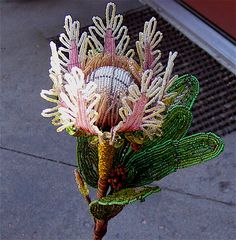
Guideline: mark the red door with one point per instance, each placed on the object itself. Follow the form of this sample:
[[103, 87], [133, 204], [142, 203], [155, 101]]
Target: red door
[[221, 13]]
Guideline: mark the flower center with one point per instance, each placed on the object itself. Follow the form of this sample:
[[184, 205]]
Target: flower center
[[112, 85]]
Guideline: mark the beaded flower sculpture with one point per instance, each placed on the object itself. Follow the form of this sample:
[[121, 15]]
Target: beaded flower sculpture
[[130, 119]]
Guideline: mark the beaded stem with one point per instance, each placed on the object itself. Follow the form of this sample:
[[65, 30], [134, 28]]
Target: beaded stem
[[106, 154], [100, 229]]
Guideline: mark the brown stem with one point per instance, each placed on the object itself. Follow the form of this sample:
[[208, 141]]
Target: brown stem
[[102, 188], [106, 153], [88, 199], [100, 229]]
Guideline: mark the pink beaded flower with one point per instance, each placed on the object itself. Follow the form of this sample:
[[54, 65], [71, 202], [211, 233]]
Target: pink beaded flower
[[98, 87]]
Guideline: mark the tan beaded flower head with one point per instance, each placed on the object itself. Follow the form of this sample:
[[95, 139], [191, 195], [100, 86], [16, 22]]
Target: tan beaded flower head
[[99, 88]]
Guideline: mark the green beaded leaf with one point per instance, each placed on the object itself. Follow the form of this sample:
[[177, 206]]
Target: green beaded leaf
[[176, 123], [121, 152], [109, 206], [87, 160], [175, 126], [198, 148], [104, 211], [150, 164], [154, 163], [187, 89], [128, 195]]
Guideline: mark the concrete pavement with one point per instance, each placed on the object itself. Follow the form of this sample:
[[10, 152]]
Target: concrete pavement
[[39, 199]]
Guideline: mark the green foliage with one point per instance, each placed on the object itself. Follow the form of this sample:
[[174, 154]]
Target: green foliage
[[87, 160], [128, 195], [104, 211], [198, 148], [154, 163], [176, 124], [109, 206], [150, 164], [187, 89], [121, 152]]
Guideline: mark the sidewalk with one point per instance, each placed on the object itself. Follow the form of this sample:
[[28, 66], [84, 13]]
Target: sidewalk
[[39, 199]]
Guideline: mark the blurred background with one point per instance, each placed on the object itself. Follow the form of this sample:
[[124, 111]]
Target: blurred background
[[39, 199]]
